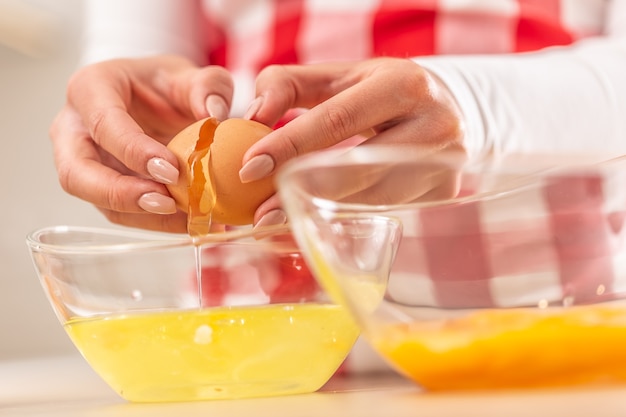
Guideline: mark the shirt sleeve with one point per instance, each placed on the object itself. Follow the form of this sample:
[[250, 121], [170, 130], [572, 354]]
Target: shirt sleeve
[[135, 28], [569, 99]]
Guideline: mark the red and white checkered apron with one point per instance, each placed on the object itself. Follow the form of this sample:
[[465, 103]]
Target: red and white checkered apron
[[246, 35]]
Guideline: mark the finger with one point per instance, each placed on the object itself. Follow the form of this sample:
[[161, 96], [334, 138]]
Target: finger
[[103, 108], [408, 184], [270, 212], [217, 107], [339, 117], [384, 184], [328, 124], [108, 189], [82, 174], [281, 88], [173, 223], [203, 92]]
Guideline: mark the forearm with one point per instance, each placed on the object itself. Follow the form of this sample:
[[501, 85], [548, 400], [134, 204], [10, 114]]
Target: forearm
[[566, 99], [121, 28]]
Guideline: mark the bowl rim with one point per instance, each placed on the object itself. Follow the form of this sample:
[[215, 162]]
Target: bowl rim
[[147, 240], [530, 167]]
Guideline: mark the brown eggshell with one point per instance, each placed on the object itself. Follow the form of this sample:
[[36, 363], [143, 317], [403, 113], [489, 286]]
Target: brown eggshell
[[236, 202], [182, 146]]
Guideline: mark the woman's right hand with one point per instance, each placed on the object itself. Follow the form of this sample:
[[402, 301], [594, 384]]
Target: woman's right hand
[[110, 137]]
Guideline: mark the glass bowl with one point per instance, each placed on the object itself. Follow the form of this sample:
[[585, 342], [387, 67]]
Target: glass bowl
[[503, 273], [256, 324]]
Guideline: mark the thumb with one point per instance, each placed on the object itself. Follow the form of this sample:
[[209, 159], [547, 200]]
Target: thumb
[[201, 92], [280, 88]]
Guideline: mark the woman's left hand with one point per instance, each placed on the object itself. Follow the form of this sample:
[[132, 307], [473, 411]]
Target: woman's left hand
[[385, 100]]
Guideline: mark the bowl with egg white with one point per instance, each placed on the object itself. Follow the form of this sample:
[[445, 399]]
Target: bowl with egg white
[[197, 316]]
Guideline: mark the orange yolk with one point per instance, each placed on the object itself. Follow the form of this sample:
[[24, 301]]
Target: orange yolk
[[511, 348]]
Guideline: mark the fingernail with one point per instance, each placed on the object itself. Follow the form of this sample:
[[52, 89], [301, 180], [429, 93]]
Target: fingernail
[[216, 107], [162, 171], [272, 218], [254, 107], [258, 167], [157, 203]]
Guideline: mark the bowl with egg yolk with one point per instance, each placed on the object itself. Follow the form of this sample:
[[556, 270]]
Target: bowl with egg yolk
[[506, 272]]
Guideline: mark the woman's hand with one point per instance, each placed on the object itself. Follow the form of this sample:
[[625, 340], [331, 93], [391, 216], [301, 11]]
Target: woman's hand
[[392, 101], [110, 138]]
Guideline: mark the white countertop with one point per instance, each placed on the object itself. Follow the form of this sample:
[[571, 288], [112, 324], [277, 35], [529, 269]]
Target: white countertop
[[66, 386]]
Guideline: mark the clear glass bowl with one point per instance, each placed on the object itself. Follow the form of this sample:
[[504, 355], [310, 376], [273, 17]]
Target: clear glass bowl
[[493, 274], [257, 325]]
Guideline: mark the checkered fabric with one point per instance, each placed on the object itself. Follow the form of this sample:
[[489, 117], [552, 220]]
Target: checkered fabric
[[246, 35], [559, 241]]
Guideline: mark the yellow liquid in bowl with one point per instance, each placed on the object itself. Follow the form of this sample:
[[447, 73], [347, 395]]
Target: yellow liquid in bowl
[[217, 353], [511, 348]]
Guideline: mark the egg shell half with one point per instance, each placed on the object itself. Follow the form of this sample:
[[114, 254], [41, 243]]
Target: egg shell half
[[236, 202], [182, 146]]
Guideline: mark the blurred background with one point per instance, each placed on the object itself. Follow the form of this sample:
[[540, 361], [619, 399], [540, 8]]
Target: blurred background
[[39, 49]]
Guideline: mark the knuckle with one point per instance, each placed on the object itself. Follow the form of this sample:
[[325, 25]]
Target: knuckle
[[338, 122], [449, 121], [115, 197], [96, 123], [278, 75], [290, 145], [279, 84], [273, 71], [416, 84], [66, 176], [217, 72], [433, 99], [413, 90], [54, 129], [89, 74], [132, 152], [446, 128], [456, 129], [201, 76], [76, 80]]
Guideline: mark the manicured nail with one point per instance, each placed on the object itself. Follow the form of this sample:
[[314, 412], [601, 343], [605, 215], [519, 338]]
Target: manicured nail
[[272, 218], [157, 203], [258, 167], [254, 107], [162, 171], [216, 106]]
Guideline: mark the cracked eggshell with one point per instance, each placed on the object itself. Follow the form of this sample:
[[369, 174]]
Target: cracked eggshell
[[235, 202]]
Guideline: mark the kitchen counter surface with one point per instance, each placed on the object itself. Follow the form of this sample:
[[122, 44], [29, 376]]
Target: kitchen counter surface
[[66, 386]]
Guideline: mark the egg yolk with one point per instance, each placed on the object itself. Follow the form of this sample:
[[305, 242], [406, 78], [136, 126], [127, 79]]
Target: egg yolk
[[511, 348]]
